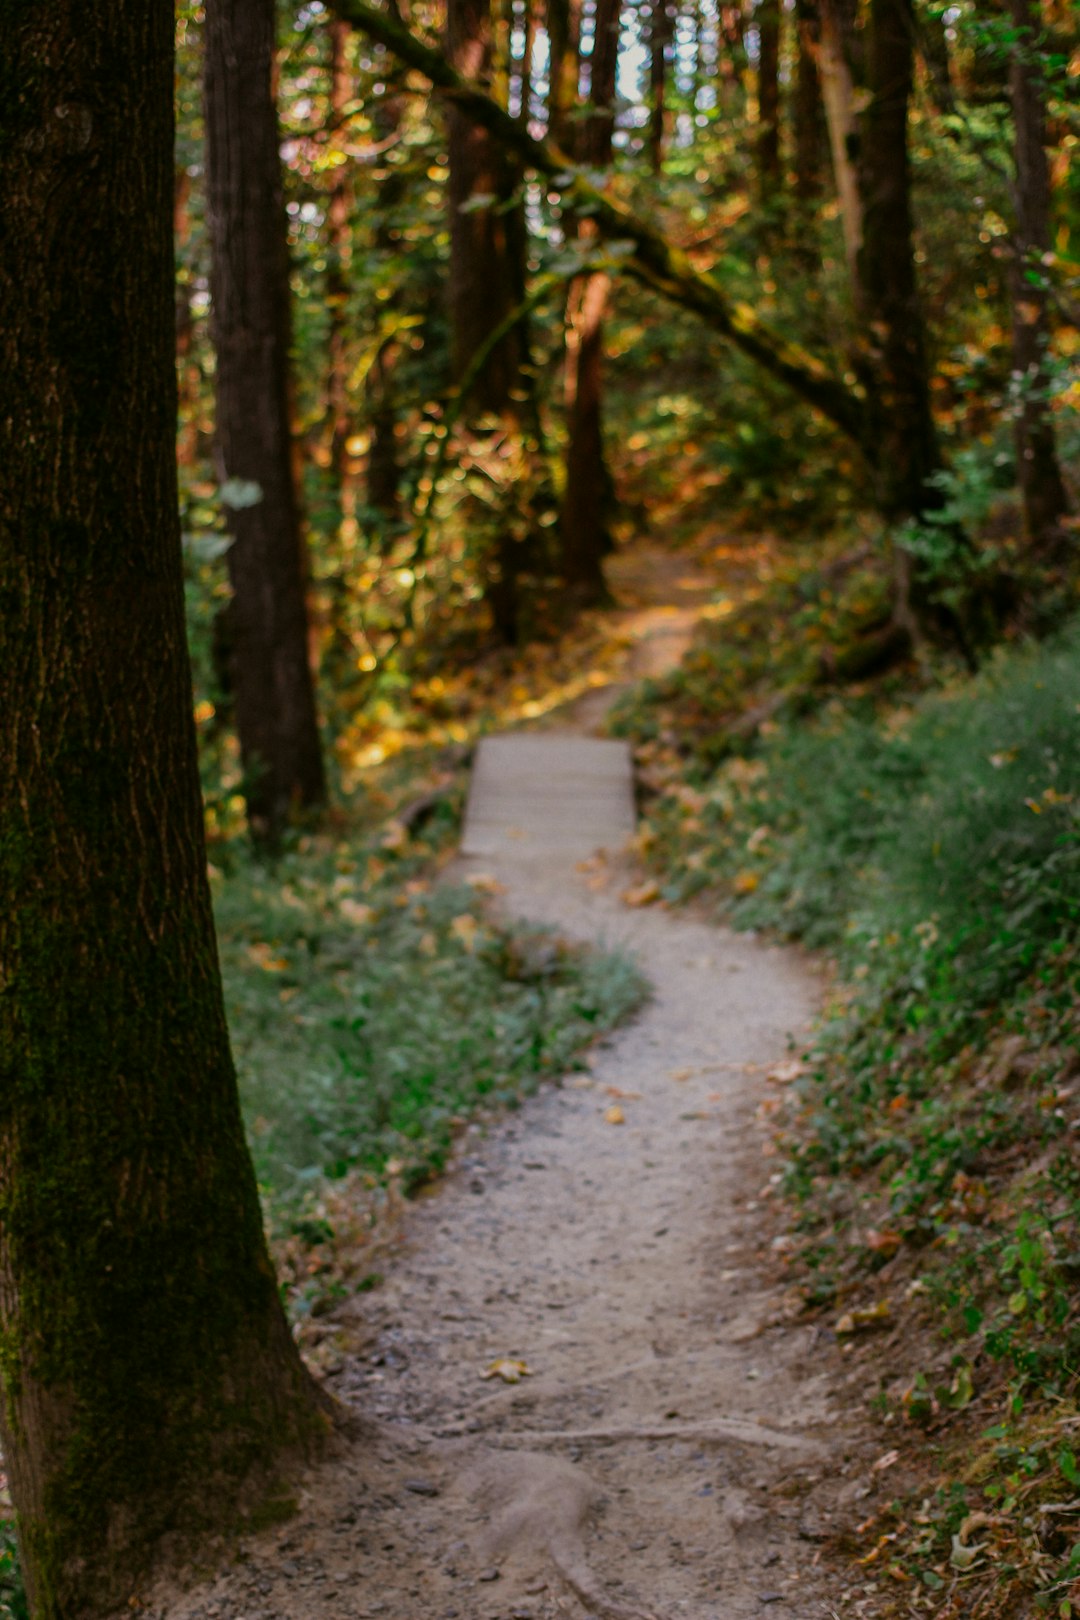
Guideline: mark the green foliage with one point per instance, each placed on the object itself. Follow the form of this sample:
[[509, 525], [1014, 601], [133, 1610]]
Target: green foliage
[[13, 1604]]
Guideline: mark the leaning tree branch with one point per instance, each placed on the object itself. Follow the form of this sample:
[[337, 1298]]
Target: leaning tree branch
[[651, 258]]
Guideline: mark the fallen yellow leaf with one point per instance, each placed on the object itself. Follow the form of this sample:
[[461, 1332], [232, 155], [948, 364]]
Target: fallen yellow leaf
[[509, 1369], [614, 1115], [746, 882]]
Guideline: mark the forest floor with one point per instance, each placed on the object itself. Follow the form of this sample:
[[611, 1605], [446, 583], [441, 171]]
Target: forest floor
[[582, 1387]]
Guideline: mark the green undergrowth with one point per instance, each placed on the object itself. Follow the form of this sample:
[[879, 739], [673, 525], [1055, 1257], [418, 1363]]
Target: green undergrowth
[[929, 841], [13, 1604]]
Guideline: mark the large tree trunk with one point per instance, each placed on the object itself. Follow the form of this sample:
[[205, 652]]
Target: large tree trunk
[[150, 1380], [767, 17], [587, 500], [274, 698], [891, 321], [1038, 471]]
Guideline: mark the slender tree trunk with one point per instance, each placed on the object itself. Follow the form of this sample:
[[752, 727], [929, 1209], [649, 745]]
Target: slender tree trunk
[[731, 55], [275, 706], [563, 30], [150, 1380], [524, 66], [767, 17], [661, 35], [1038, 469], [809, 112], [838, 94], [384, 463], [587, 500], [886, 292], [486, 284], [338, 255]]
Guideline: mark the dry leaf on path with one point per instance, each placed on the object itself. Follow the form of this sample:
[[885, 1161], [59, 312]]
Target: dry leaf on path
[[615, 1115], [683, 1074], [784, 1073], [485, 883], [509, 1369], [642, 894]]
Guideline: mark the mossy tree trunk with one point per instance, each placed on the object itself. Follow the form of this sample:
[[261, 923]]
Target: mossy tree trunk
[[268, 627], [150, 1384]]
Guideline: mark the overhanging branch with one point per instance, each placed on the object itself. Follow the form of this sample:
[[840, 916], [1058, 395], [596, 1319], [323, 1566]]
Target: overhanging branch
[[652, 261]]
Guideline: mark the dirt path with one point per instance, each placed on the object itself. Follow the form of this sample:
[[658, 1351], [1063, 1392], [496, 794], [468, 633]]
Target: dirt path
[[659, 1458]]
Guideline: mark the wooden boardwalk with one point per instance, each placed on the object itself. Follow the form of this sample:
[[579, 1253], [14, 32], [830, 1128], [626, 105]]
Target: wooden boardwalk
[[549, 793]]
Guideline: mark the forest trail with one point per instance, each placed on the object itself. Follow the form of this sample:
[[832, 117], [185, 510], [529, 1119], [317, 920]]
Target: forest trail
[[604, 1246]]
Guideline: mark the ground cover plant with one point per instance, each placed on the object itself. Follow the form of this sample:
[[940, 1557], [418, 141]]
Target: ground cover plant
[[924, 831]]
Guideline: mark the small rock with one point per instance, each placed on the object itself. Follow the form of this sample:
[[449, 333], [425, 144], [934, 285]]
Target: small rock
[[488, 1575], [638, 1546], [770, 1597], [422, 1487]]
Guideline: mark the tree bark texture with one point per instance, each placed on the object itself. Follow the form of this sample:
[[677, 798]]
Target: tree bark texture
[[274, 696], [1038, 471], [149, 1377], [767, 17], [894, 354]]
